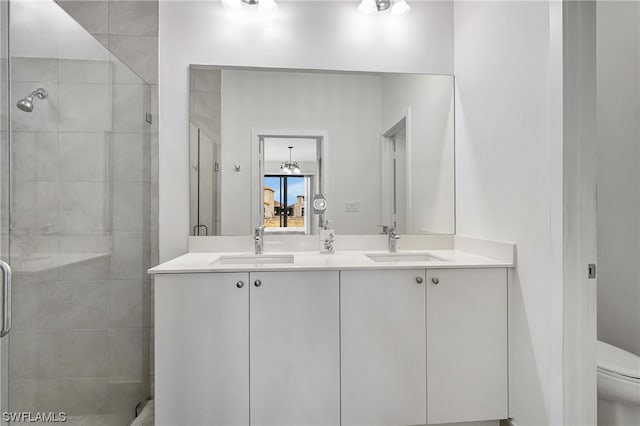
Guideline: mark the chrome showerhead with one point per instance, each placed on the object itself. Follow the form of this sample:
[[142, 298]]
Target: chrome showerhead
[[26, 104]]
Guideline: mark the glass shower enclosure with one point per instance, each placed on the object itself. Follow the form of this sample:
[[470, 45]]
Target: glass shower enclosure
[[78, 190]]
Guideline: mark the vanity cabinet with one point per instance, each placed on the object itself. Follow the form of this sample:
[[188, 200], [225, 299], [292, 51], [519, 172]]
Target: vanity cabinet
[[466, 345], [224, 339], [295, 348], [356, 347], [202, 349], [383, 347]]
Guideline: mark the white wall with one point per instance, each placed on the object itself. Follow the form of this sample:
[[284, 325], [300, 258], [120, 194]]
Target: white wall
[[320, 35], [509, 178], [618, 80], [431, 134], [344, 105]]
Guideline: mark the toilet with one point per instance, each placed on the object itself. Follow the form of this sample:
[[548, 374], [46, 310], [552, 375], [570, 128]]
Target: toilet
[[618, 386]]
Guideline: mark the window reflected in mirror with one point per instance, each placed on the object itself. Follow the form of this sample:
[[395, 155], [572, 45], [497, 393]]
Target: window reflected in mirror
[[285, 203]]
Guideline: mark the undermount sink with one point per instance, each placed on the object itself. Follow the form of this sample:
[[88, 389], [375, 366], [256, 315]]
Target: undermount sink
[[252, 259], [403, 257]]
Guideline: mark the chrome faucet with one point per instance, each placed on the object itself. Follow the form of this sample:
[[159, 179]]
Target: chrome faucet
[[393, 238], [258, 239]]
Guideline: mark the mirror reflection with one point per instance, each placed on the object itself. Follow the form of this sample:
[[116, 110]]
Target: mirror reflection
[[289, 184], [296, 150]]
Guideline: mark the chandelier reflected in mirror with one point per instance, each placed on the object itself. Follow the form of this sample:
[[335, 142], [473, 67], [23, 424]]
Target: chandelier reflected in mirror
[[290, 167]]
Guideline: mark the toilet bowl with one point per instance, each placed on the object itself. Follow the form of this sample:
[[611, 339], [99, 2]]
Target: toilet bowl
[[618, 386]]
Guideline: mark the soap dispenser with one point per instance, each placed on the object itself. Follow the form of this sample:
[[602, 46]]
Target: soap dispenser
[[327, 239]]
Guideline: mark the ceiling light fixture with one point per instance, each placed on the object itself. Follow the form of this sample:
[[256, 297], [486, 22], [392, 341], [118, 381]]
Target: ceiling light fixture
[[398, 7], [262, 4], [290, 167], [267, 4]]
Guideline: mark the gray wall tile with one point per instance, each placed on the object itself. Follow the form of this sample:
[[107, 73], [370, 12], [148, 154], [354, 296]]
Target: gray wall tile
[[121, 73], [127, 353], [35, 156], [24, 200], [83, 157], [138, 52], [130, 206], [83, 396], [130, 259], [92, 15], [74, 71], [83, 107], [47, 207], [130, 157], [95, 269], [83, 353], [34, 69], [83, 305], [83, 207], [129, 304], [34, 395], [133, 18], [129, 108], [33, 306], [33, 355]]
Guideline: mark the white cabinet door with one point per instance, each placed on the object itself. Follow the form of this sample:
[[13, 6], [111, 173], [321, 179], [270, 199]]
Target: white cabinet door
[[295, 353], [383, 347], [202, 349], [466, 345]]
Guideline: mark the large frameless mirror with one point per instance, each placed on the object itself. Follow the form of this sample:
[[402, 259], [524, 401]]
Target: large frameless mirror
[[294, 150]]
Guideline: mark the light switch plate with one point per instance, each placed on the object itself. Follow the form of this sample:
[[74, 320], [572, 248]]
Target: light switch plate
[[352, 206]]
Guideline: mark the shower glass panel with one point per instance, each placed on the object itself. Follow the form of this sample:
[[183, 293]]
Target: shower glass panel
[[80, 231], [4, 188]]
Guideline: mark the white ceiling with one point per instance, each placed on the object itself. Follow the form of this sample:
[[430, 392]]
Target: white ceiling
[[277, 149]]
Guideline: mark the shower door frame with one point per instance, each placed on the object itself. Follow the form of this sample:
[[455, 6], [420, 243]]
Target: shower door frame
[[5, 194]]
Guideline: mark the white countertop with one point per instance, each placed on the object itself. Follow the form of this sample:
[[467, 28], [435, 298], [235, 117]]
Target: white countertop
[[314, 260]]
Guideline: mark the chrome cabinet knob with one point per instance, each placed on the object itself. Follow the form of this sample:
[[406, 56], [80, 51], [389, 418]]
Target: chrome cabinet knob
[[240, 284], [435, 280], [419, 280], [257, 283]]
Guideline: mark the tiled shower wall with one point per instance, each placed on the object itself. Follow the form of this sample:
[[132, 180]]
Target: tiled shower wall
[[85, 222], [84, 178], [129, 29]]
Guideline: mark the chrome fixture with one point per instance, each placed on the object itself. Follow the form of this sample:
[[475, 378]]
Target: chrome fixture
[[26, 104], [6, 298], [290, 167], [258, 239], [262, 4], [398, 7], [393, 239]]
